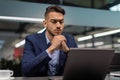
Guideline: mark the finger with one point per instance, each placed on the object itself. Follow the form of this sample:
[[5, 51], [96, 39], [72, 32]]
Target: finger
[[64, 46]]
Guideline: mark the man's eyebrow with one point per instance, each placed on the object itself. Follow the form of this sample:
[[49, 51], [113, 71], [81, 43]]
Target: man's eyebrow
[[57, 19]]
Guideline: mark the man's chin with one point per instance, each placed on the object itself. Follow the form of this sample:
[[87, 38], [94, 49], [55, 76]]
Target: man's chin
[[57, 34]]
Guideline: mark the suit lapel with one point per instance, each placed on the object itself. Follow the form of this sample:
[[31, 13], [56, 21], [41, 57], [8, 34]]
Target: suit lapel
[[42, 42]]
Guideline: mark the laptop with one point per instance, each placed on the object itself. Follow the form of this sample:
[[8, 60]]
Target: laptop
[[87, 64]]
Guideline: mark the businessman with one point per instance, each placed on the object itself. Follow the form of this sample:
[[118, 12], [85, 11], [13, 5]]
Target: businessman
[[45, 53]]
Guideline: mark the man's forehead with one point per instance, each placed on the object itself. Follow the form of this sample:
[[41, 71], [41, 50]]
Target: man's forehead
[[55, 14]]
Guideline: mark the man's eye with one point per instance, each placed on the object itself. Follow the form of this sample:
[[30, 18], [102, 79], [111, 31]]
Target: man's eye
[[54, 21], [61, 21]]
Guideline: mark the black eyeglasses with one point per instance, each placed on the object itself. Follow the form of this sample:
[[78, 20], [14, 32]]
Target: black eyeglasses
[[54, 21]]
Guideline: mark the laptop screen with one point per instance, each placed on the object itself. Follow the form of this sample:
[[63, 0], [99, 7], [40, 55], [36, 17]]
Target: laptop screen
[[87, 64]]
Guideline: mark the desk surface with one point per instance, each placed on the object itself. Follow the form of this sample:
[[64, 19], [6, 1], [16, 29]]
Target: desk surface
[[57, 78]]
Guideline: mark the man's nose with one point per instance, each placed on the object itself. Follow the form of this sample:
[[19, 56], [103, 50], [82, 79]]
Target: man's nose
[[58, 24]]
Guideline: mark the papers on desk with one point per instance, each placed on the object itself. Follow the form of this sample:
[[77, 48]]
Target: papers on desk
[[115, 73]]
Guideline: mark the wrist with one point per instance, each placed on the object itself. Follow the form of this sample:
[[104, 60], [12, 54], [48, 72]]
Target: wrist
[[50, 50]]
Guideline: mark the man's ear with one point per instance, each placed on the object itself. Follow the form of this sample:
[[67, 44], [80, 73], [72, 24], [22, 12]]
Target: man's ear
[[44, 23]]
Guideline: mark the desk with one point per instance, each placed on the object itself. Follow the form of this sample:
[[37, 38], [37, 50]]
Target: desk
[[57, 78], [112, 78]]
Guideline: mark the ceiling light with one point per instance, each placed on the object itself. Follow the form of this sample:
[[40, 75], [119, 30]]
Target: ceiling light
[[23, 41], [21, 19], [20, 43], [115, 8], [99, 35], [85, 38], [106, 33]]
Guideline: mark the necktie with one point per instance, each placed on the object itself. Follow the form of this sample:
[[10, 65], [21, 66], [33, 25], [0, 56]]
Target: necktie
[[48, 45], [52, 64]]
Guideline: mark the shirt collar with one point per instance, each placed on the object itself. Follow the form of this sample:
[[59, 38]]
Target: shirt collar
[[48, 41]]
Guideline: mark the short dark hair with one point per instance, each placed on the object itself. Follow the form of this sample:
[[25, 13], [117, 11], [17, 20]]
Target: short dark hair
[[54, 8]]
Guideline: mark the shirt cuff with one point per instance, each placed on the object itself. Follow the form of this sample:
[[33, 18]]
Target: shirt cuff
[[49, 54]]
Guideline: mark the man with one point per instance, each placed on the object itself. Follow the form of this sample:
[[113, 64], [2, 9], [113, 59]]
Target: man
[[39, 59]]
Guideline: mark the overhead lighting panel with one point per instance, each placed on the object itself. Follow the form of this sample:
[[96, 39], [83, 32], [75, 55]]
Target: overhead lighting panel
[[21, 19], [115, 8]]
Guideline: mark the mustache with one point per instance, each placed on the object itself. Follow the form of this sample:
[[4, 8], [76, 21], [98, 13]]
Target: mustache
[[58, 28]]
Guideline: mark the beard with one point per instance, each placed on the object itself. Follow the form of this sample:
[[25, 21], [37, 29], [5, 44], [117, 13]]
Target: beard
[[53, 34], [50, 32]]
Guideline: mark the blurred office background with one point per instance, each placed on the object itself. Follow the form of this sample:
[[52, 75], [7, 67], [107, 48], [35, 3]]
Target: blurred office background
[[93, 23]]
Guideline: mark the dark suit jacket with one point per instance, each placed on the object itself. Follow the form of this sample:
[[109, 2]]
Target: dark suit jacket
[[35, 58]]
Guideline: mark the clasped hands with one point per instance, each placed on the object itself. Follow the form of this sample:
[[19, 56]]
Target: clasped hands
[[58, 42]]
